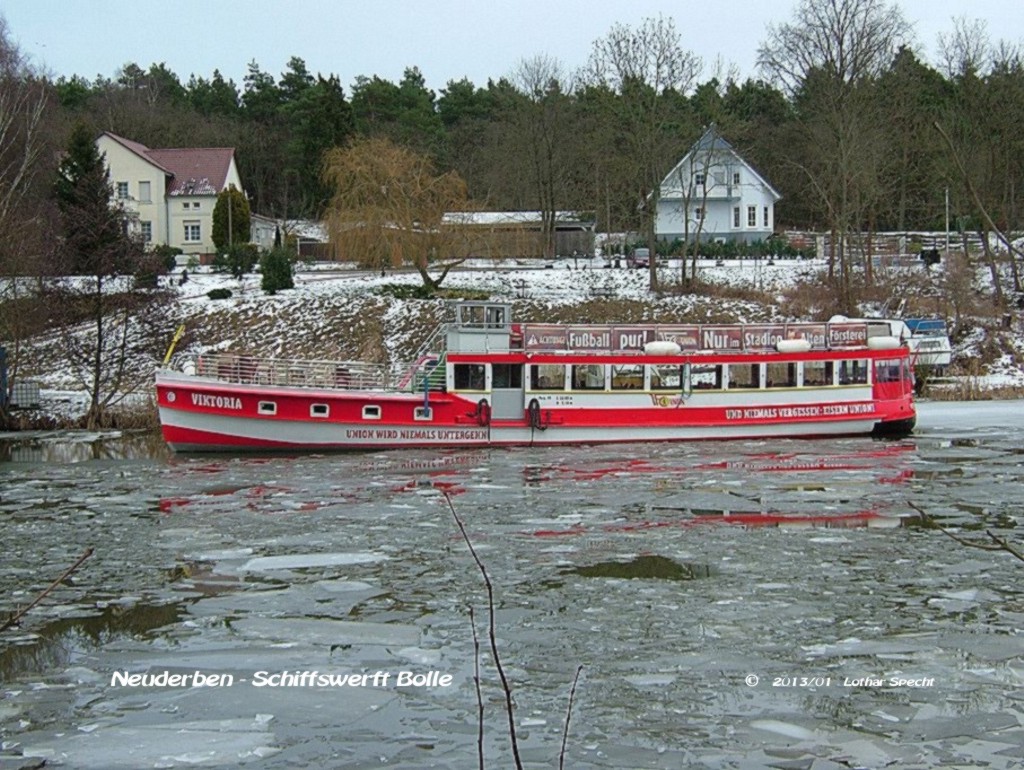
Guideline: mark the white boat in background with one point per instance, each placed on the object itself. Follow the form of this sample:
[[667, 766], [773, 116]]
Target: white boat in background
[[929, 343]]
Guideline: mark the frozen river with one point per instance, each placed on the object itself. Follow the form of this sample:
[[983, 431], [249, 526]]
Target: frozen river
[[732, 605]]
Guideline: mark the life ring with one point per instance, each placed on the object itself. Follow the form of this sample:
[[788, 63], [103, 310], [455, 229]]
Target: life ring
[[483, 412]]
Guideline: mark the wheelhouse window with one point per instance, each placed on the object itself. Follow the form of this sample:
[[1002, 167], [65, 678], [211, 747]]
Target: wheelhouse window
[[470, 376], [853, 372], [706, 377], [744, 376], [627, 377], [547, 377], [506, 376], [588, 377], [666, 377], [818, 373]]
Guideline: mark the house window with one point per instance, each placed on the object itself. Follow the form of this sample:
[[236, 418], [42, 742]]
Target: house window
[[122, 190], [736, 217], [751, 216], [185, 205], [699, 179], [766, 216], [736, 177], [698, 213], [147, 231], [195, 204], [144, 192], [192, 232]]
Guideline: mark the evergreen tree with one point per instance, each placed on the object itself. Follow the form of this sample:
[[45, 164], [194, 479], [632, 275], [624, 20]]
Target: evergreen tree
[[94, 228], [277, 270], [232, 219]]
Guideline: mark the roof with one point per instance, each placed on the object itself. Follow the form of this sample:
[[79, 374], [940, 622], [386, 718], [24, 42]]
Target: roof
[[712, 143], [492, 218], [193, 170]]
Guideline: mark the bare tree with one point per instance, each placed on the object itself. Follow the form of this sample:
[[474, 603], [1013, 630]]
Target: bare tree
[[646, 67], [828, 59], [965, 50], [544, 121], [25, 137]]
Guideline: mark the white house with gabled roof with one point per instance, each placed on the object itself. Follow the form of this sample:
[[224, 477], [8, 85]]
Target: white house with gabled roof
[[713, 191], [170, 193]]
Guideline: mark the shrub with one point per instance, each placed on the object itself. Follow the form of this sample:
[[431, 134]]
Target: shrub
[[218, 293], [278, 273], [238, 260]]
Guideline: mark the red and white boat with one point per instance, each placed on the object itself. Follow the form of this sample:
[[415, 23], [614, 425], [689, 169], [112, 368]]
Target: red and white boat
[[484, 381]]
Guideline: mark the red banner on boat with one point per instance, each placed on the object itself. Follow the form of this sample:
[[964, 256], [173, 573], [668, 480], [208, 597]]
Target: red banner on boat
[[816, 334], [762, 336], [847, 335], [537, 337], [721, 337]]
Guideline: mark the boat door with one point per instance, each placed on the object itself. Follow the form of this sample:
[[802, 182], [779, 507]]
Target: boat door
[[507, 394]]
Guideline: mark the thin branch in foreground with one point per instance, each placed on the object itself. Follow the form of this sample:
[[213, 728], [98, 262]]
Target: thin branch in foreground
[[479, 692], [492, 634], [999, 543], [14, 618], [568, 716]]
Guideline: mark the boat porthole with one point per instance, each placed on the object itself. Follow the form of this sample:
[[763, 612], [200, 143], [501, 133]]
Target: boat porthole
[[170, 397]]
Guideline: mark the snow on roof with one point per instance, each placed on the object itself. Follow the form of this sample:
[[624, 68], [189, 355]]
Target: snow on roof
[[509, 217]]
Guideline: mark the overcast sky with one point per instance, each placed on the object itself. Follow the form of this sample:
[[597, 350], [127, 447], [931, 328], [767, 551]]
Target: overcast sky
[[446, 39]]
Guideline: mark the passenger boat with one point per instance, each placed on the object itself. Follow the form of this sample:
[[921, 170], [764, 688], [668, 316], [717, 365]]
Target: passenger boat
[[482, 380]]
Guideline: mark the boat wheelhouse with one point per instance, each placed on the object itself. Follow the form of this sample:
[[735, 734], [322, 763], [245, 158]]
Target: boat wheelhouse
[[482, 380]]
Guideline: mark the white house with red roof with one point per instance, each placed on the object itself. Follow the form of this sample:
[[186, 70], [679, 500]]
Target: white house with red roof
[[170, 192]]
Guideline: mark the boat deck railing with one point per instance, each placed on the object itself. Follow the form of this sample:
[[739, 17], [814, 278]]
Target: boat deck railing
[[339, 375]]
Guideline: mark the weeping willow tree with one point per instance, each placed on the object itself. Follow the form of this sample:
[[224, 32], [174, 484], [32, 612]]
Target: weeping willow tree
[[388, 208]]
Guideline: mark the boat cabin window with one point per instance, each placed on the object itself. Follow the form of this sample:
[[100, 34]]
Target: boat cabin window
[[588, 377], [780, 375], [422, 413], [853, 372], [470, 376], [319, 410], [371, 412], [666, 377], [817, 373], [706, 377], [890, 370], [627, 377], [267, 407], [547, 377], [506, 376], [744, 376]]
